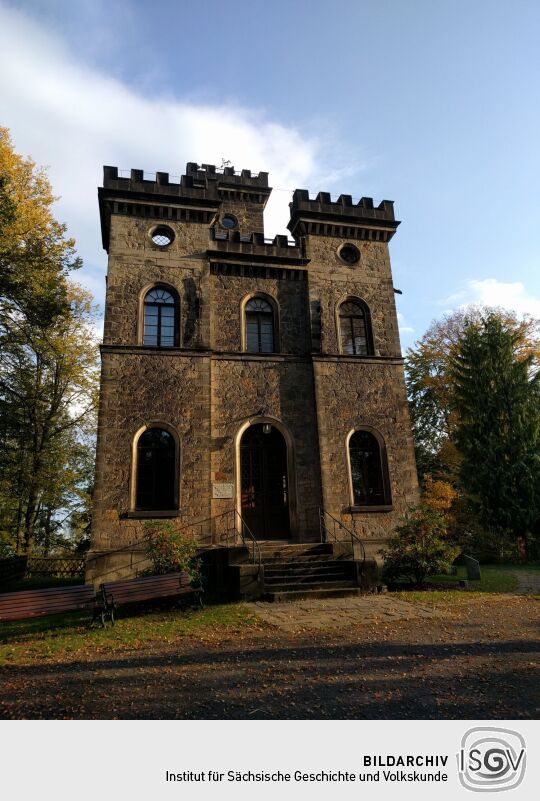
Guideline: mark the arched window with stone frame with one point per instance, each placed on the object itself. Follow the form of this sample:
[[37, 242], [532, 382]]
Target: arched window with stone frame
[[161, 318], [354, 322], [260, 328], [370, 485], [156, 455]]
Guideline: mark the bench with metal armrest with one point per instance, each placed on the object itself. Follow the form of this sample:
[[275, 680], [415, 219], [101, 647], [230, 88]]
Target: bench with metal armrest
[[117, 593]]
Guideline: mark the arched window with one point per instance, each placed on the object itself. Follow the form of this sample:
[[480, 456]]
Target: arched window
[[160, 318], [156, 470], [355, 328], [259, 326], [368, 470]]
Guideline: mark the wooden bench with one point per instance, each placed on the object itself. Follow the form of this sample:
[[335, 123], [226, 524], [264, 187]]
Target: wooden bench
[[147, 588], [53, 601]]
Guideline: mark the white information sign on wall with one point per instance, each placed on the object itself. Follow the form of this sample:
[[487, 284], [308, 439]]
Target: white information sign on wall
[[222, 490]]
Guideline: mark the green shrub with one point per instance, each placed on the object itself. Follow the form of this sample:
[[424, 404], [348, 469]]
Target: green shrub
[[170, 551], [418, 547]]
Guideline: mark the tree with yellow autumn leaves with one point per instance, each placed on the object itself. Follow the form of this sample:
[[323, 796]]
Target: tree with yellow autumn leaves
[[48, 367]]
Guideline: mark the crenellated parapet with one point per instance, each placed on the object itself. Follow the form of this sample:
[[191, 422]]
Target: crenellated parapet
[[226, 175], [254, 248], [195, 197], [135, 183], [342, 218], [199, 177]]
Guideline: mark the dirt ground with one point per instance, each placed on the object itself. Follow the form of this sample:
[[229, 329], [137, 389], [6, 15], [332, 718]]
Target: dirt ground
[[476, 659]]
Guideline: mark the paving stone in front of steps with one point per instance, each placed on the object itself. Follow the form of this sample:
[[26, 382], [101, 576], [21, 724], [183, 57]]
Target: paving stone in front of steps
[[335, 613], [528, 582]]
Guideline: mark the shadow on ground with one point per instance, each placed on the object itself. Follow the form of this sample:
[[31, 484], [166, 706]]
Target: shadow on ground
[[278, 676]]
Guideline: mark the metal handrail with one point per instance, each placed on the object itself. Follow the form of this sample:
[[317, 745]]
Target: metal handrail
[[256, 557], [327, 530], [235, 527], [209, 531]]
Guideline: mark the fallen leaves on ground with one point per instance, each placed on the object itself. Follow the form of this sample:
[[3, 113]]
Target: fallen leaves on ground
[[480, 661]]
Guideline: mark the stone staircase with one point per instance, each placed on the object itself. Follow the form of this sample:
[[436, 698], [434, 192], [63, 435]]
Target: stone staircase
[[307, 570]]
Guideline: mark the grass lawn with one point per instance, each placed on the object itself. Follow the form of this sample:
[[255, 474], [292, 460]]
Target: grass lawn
[[477, 659], [494, 579], [532, 567], [69, 635]]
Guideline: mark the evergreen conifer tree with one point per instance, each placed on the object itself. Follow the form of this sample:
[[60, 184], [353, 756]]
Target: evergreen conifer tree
[[496, 397]]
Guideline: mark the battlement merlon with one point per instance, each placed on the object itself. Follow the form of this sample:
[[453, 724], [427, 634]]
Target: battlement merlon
[[342, 218], [232, 246], [205, 180], [227, 175]]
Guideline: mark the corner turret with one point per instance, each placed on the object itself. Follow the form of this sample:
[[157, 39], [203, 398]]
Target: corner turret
[[342, 218]]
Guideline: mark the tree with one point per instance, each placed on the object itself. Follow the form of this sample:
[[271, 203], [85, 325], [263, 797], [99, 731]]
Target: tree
[[7, 204], [419, 547], [35, 254], [48, 392], [496, 398], [48, 365], [438, 495], [430, 384]]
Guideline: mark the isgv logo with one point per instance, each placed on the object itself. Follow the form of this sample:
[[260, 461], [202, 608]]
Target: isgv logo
[[491, 759]]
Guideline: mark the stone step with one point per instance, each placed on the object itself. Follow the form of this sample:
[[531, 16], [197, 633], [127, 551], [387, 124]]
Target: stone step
[[295, 549], [320, 578], [291, 586], [292, 544], [303, 562], [284, 596], [311, 568], [301, 558]]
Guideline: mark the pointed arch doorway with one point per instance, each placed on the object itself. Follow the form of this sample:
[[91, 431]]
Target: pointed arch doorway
[[264, 490]]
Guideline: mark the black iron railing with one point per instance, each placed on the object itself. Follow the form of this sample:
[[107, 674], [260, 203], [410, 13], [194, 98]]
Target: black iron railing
[[226, 529], [333, 530]]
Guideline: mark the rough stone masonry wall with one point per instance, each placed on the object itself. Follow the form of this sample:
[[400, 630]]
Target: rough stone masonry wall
[[330, 281], [141, 386], [139, 389], [228, 293], [248, 214], [350, 395], [355, 392], [284, 387], [135, 263]]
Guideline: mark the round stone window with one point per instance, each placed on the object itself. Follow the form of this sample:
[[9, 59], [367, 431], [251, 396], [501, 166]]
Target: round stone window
[[162, 236], [349, 254], [229, 222]]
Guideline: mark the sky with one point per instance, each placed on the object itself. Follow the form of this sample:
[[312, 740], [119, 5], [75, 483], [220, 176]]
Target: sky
[[435, 105]]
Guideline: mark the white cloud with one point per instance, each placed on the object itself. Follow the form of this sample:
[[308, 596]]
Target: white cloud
[[511, 295], [404, 329], [75, 119]]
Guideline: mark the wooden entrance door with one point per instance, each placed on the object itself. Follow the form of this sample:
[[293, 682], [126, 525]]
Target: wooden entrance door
[[265, 487]]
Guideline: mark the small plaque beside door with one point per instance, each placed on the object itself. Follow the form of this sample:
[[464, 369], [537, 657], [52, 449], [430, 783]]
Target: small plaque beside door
[[222, 490]]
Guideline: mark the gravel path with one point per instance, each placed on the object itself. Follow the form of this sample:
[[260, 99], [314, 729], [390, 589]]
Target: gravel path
[[479, 658], [528, 582]]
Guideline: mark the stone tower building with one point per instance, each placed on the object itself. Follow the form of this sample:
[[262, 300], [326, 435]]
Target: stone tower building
[[241, 372]]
